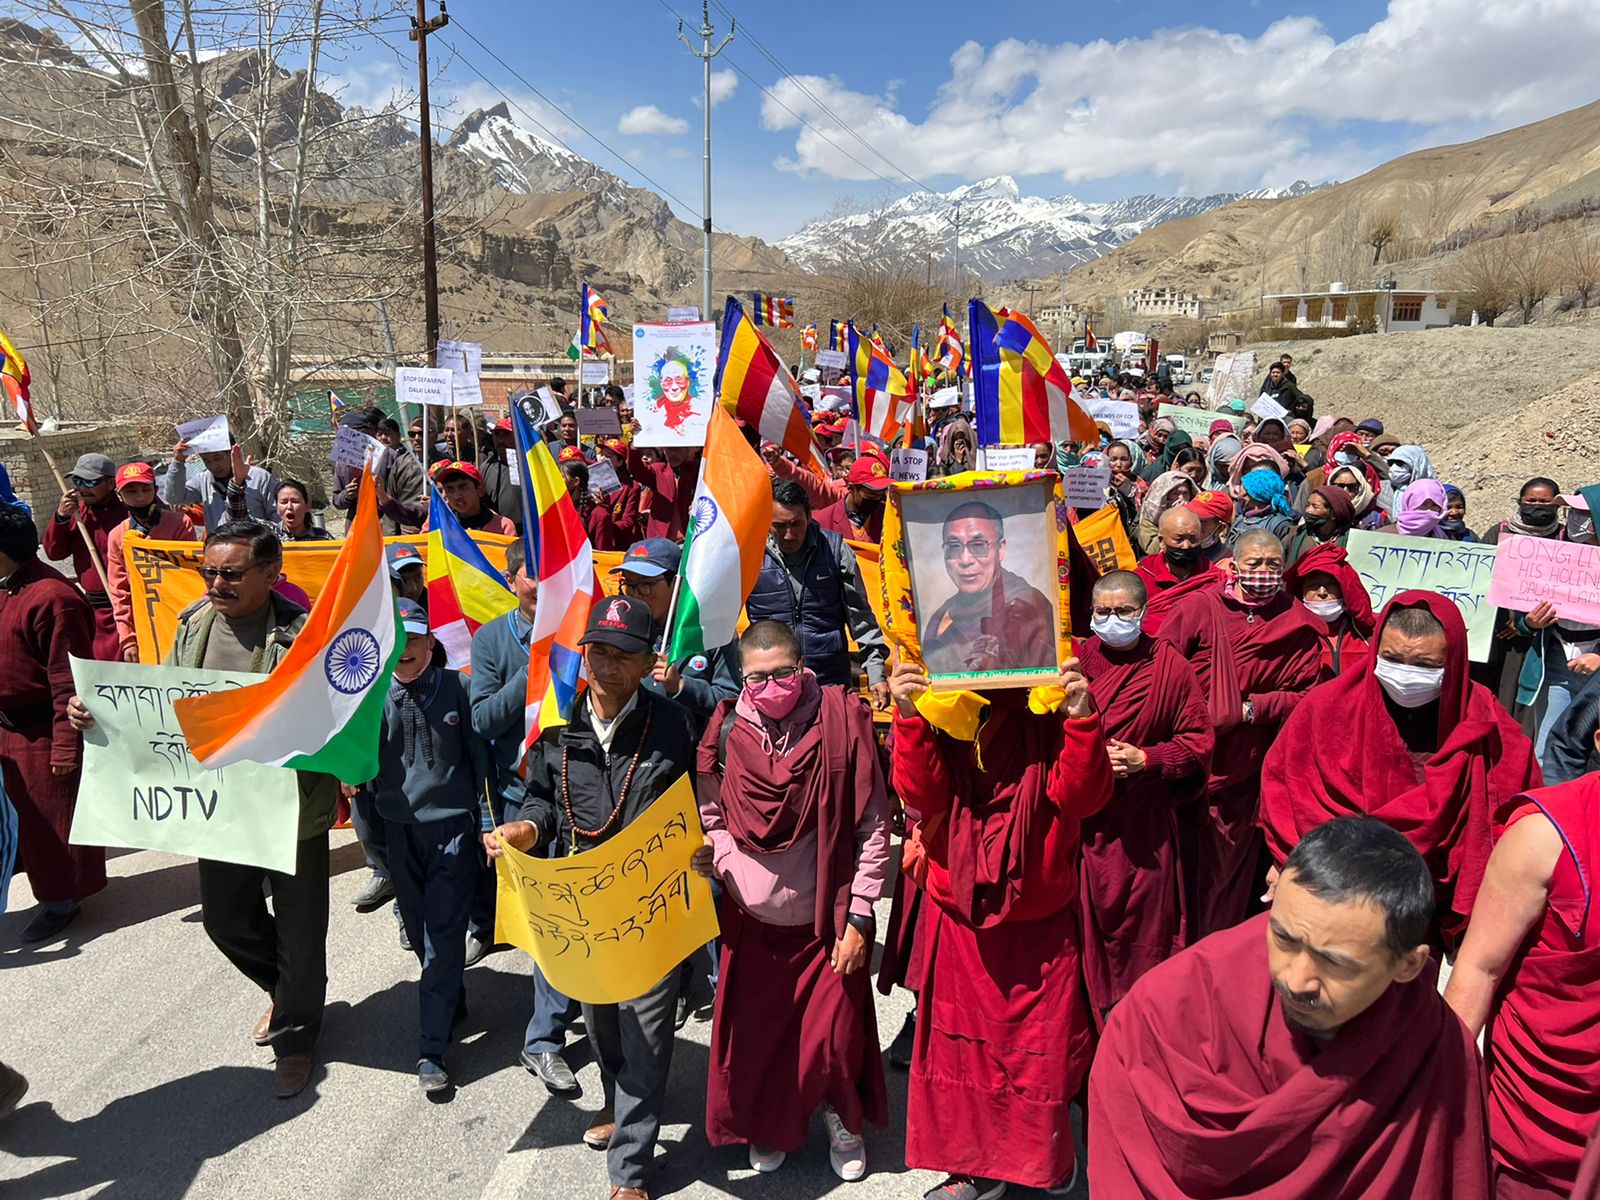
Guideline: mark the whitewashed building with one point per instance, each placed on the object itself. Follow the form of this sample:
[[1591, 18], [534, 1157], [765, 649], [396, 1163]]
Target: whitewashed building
[[1385, 310]]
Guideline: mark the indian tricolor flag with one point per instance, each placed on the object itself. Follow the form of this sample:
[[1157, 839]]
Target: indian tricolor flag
[[320, 709], [728, 524]]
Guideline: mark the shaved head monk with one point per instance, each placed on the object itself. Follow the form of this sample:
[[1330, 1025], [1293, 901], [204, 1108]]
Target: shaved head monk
[[1179, 569], [1257, 651], [1305, 1053], [1528, 970], [1003, 1036], [1407, 737], [1158, 734]]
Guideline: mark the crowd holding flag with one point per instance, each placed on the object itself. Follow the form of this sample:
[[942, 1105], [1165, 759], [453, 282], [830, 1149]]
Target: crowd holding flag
[[1023, 394], [776, 311], [14, 378], [321, 707], [559, 554], [465, 592], [755, 386], [878, 387]]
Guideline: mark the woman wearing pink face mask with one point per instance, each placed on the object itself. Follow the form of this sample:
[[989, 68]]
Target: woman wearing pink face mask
[[796, 813], [1420, 510]]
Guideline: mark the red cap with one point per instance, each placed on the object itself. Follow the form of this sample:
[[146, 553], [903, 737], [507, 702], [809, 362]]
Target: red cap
[[136, 472], [571, 454], [457, 468], [616, 446], [503, 425], [868, 471], [1213, 506]]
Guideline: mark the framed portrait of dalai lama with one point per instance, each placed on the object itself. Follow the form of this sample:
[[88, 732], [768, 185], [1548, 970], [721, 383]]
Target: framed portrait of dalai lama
[[982, 560]]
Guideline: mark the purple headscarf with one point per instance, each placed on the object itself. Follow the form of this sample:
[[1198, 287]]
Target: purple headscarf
[[1415, 520]]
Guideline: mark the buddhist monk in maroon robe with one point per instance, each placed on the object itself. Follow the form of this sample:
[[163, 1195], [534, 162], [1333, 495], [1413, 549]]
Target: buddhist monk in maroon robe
[[1256, 651], [796, 811], [1303, 1055], [1324, 581], [1529, 969], [1406, 737], [1180, 568], [1003, 1034], [43, 620], [1159, 738]]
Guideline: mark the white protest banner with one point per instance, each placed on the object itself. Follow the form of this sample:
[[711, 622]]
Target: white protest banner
[[627, 394], [832, 359], [1085, 487], [599, 422], [677, 368], [209, 435], [1007, 458], [908, 466], [464, 361], [1530, 571], [683, 314], [423, 385], [603, 475], [1458, 571], [1232, 378], [1196, 422], [514, 465], [812, 392], [950, 397], [1121, 415], [142, 789], [1268, 409], [593, 374], [351, 448]]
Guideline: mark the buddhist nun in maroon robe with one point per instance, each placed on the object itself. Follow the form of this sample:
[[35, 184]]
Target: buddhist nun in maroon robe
[[1257, 652], [1160, 740], [1178, 569], [1305, 1054], [1435, 771], [1003, 1034]]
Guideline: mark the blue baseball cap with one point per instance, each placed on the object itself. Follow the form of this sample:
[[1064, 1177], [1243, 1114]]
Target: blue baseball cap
[[651, 558], [402, 555], [413, 617]]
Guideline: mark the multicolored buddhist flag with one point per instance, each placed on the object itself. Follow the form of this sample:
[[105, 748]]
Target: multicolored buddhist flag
[[878, 386], [590, 339], [1024, 395], [321, 707], [1090, 343], [808, 337], [559, 556], [726, 542], [334, 405], [465, 592], [14, 379], [838, 336], [949, 351], [755, 386], [776, 311]]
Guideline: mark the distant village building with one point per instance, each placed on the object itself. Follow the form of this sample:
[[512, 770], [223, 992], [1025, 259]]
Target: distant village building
[[1384, 310], [1223, 341], [1069, 315], [1162, 302]]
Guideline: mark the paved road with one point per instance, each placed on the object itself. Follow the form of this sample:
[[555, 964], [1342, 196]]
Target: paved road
[[134, 1034]]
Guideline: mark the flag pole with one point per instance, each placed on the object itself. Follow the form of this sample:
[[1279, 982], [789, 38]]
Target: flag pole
[[88, 541], [672, 609]]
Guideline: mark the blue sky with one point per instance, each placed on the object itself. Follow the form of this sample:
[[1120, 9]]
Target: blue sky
[[1122, 98]]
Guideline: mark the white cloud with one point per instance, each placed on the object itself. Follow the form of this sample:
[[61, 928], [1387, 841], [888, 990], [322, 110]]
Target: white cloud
[[723, 86], [1230, 109], [648, 119]]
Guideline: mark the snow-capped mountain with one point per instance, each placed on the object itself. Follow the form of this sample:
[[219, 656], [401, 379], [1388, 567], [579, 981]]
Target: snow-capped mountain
[[522, 162], [1004, 234]]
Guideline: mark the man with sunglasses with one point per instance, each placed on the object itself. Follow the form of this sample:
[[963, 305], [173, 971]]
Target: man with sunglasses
[[241, 624], [92, 505]]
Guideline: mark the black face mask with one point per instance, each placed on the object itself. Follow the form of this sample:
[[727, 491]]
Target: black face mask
[[145, 514], [1182, 556], [1538, 514], [1321, 526]]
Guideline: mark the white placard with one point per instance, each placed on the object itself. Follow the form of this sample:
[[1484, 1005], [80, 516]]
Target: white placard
[[514, 465], [599, 422], [676, 367], [1267, 408], [946, 397], [683, 314], [1008, 458], [540, 407], [852, 435], [461, 359], [627, 394], [592, 374], [833, 359], [1121, 415], [1085, 487], [209, 435], [351, 448], [603, 475], [424, 385], [812, 392], [908, 466]]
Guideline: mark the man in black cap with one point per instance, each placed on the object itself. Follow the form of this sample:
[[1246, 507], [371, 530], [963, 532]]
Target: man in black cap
[[89, 503], [587, 780]]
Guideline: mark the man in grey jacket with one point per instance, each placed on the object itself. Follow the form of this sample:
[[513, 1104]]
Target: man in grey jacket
[[232, 488]]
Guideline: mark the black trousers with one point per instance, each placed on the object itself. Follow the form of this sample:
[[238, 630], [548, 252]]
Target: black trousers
[[435, 867], [284, 952], [633, 1043]]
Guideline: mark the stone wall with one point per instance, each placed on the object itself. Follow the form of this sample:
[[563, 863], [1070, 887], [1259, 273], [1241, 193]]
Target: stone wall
[[31, 478]]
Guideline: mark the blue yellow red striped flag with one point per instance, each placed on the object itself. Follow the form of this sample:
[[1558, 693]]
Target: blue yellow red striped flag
[[591, 318], [465, 592], [878, 386], [776, 311], [808, 337], [755, 386], [949, 351], [14, 379], [1024, 395]]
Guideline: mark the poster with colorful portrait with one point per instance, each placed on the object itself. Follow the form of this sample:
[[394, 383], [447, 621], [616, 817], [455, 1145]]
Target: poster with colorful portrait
[[675, 369]]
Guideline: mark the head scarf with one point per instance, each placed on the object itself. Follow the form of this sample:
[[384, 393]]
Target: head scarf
[[1155, 500], [1221, 427], [1414, 457], [1272, 432], [1264, 487], [1093, 458], [957, 427], [1176, 440], [1323, 427], [1330, 558], [1454, 527], [1340, 506], [1220, 457], [1365, 498], [1415, 520], [1254, 455]]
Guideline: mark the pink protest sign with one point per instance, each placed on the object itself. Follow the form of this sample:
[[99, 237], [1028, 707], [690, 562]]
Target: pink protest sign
[[1528, 571]]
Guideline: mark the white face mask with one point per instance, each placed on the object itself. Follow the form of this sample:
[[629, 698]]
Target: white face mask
[[1348, 457], [1328, 610], [1115, 631], [1399, 474], [1408, 686]]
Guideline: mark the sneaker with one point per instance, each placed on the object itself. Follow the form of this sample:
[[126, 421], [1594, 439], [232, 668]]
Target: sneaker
[[431, 1076], [766, 1161], [378, 892], [966, 1187], [847, 1152], [904, 1042], [49, 924]]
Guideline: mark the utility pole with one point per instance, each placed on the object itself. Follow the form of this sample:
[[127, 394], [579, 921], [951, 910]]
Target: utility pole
[[955, 266], [421, 27], [705, 54]]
